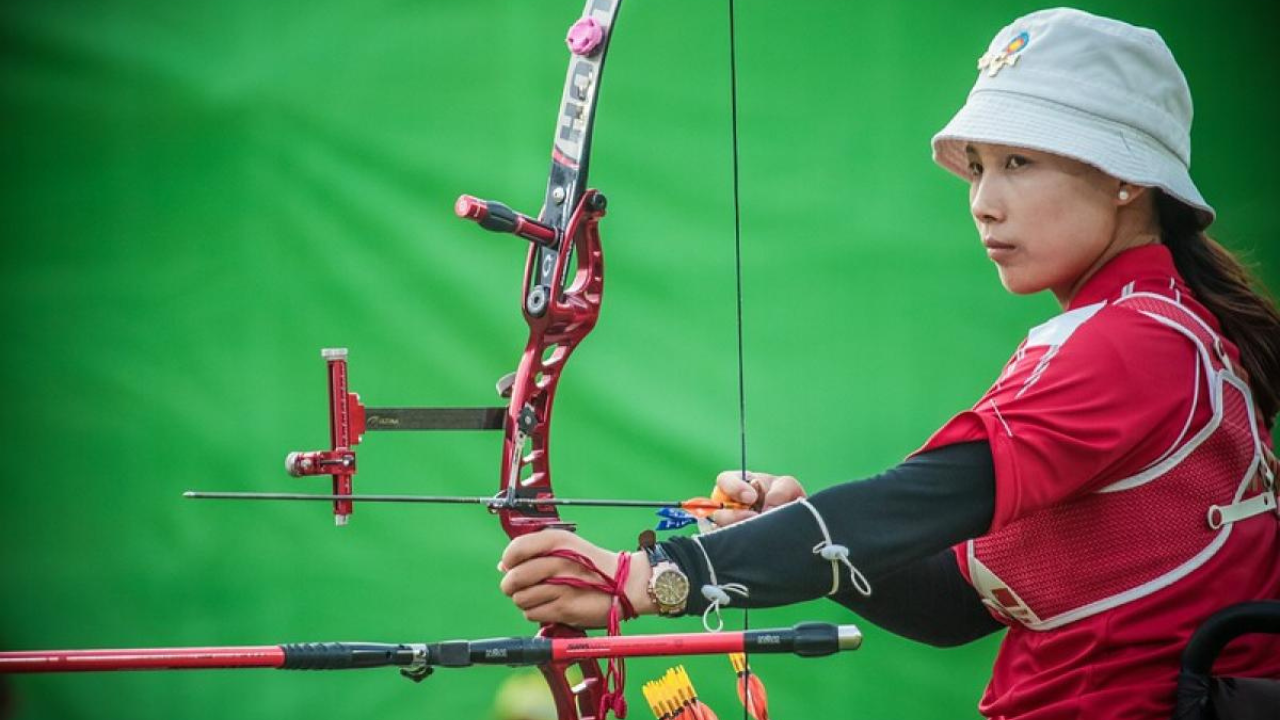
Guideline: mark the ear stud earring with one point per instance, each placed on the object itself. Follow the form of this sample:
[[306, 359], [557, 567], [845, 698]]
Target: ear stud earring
[[1124, 194]]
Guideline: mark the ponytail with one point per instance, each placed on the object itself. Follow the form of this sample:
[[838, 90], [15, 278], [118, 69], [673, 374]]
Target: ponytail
[[1223, 285]]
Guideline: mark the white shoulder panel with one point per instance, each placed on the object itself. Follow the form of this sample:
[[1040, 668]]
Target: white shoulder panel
[[1057, 330]]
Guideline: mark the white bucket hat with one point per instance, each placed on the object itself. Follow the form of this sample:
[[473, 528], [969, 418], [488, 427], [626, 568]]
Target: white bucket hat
[[1086, 87]]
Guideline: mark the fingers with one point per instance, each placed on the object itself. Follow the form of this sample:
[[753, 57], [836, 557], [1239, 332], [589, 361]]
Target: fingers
[[730, 486], [730, 482], [531, 598], [782, 490], [533, 573], [556, 604], [777, 490], [535, 544], [721, 518], [528, 575], [546, 603]]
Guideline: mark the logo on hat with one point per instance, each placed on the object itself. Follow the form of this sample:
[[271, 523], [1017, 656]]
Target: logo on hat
[[993, 62]]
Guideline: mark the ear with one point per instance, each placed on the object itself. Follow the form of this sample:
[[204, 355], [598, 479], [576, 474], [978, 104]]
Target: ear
[[1127, 193]]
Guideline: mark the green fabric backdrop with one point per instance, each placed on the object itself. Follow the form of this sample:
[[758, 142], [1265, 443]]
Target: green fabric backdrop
[[197, 196]]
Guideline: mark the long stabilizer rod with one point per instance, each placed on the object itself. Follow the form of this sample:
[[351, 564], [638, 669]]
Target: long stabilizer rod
[[416, 661]]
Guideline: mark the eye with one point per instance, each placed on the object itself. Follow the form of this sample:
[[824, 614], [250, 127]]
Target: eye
[[975, 168], [1013, 162]]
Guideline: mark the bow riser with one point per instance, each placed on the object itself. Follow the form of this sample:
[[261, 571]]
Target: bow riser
[[574, 700], [553, 336]]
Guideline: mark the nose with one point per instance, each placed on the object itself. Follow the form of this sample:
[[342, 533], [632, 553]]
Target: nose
[[985, 202]]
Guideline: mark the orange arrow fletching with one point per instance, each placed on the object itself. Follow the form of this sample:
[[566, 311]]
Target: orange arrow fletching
[[757, 701], [703, 507], [751, 690]]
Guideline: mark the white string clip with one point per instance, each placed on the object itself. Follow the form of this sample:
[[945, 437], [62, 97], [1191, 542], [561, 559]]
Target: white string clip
[[715, 593], [837, 555]]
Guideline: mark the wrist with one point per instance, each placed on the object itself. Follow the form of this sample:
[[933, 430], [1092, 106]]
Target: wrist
[[637, 587]]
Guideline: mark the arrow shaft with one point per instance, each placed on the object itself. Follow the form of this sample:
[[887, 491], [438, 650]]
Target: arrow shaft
[[490, 501]]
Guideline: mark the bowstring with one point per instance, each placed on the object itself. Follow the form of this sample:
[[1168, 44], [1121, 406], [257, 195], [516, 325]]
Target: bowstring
[[737, 262]]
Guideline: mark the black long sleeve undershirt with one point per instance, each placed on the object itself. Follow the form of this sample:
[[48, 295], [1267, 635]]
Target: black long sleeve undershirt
[[899, 527]]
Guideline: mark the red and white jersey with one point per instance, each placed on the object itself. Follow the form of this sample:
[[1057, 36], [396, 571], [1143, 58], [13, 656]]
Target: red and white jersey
[[1131, 501]]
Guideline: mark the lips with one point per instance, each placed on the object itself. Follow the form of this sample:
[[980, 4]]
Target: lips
[[998, 251]]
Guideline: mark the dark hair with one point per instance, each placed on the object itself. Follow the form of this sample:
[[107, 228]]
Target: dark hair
[[1226, 287]]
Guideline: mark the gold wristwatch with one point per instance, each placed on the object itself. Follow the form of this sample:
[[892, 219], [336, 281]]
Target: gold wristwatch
[[668, 585]]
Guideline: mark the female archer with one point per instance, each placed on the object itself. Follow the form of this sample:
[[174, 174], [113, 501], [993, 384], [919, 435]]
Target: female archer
[[1112, 489]]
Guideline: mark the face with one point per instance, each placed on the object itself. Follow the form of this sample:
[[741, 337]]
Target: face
[[1046, 221]]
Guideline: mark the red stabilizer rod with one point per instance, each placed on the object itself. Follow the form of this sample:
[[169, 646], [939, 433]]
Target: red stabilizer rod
[[195, 658], [497, 217], [807, 639], [804, 639]]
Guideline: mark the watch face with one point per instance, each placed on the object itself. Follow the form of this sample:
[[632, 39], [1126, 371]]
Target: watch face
[[671, 587]]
